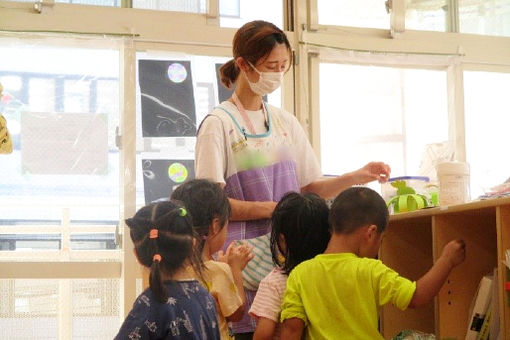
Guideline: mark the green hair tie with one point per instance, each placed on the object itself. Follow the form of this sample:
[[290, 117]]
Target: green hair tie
[[182, 212]]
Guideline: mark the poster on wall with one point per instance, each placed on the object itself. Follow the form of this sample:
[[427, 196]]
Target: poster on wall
[[161, 176], [168, 102]]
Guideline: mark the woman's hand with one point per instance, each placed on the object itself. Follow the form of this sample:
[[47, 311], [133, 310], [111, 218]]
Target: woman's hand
[[373, 171]]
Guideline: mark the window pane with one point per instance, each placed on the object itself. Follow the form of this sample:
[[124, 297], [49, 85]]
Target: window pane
[[31, 309], [428, 15], [181, 89], [487, 110], [190, 6], [114, 3], [371, 113], [235, 13], [62, 113], [359, 13], [489, 17]]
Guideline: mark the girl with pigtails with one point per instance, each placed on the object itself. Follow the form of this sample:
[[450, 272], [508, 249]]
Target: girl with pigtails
[[176, 305]]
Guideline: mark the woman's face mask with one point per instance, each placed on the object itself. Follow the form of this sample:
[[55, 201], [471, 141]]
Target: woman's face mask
[[267, 83]]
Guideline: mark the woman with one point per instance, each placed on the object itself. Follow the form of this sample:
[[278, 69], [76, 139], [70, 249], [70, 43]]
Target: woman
[[259, 152]]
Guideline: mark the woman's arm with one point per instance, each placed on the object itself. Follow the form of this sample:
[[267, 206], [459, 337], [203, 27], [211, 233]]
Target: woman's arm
[[250, 210], [330, 187]]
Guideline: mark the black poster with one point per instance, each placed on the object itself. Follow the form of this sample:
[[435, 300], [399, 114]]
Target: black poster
[[161, 176], [168, 104]]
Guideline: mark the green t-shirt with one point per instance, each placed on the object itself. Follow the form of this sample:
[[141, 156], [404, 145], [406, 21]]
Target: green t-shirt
[[338, 295]]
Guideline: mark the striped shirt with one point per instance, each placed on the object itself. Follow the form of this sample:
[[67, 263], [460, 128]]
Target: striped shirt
[[269, 298]]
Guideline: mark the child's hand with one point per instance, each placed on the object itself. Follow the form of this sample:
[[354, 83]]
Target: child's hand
[[222, 256], [455, 252], [238, 256]]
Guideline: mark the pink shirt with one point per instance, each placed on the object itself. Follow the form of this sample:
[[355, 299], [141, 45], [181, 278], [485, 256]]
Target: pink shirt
[[269, 298]]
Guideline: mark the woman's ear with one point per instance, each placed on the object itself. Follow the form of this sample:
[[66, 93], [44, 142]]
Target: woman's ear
[[242, 64]]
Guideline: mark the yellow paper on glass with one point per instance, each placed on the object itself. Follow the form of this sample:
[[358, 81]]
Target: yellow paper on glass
[[5, 138]]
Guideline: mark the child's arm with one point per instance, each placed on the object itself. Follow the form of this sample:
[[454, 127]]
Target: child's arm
[[292, 329], [265, 329], [237, 257], [429, 284]]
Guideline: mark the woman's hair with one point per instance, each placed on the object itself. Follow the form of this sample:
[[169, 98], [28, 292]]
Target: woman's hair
[[205, 200], [302, 219], [253, 41], [164, 239], [358, 207]]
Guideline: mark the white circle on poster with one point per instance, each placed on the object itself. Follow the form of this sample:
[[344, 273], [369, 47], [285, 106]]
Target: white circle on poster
[[177, 73]]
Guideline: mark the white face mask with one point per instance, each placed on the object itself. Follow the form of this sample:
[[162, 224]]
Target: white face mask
[[267, 83]]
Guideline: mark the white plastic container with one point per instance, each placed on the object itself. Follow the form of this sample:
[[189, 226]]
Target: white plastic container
[[453, 183]]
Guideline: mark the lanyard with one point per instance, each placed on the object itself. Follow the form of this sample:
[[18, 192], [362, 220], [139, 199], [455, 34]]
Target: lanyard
[[245, 116]]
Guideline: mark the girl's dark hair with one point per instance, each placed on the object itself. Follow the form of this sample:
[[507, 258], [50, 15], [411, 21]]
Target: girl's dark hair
[[302, 219], [358, 207], [174, 242], [205, 200], [253, 41]]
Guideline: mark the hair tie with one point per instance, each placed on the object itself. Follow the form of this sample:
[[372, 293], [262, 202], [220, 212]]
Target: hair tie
[[182, 212], [153, 233], [156, 258]]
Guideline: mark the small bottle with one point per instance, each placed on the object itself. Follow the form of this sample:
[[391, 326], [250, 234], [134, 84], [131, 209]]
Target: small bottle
[[453, 183]]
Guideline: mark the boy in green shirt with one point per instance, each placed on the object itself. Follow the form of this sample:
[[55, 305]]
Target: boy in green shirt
[[336, 295]]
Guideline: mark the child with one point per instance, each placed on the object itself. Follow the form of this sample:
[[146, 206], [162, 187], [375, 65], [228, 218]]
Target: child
[[300, 230], [210, 211], [176, 306], [337, 294]]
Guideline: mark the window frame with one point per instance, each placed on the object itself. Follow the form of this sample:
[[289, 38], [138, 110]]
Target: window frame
[[140, 30]]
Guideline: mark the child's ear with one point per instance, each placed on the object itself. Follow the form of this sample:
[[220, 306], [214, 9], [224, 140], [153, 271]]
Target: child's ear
[[214, 227], [371, 232]]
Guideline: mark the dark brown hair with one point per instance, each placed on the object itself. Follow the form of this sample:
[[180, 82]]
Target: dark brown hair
[[205, 200], [302, 219], [174, 242], [358, 207], [253, 41]]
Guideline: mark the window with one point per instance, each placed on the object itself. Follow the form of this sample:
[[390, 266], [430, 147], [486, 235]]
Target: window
[[32, 307], [191, 6], [360, 13], [59, 189], [235, 13], [486, 106], [489, 17], [114, 3], [371, 113], [428, 15], [63, 133]]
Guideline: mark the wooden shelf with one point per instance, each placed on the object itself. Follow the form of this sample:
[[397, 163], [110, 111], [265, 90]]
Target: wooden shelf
[[414, 240]]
